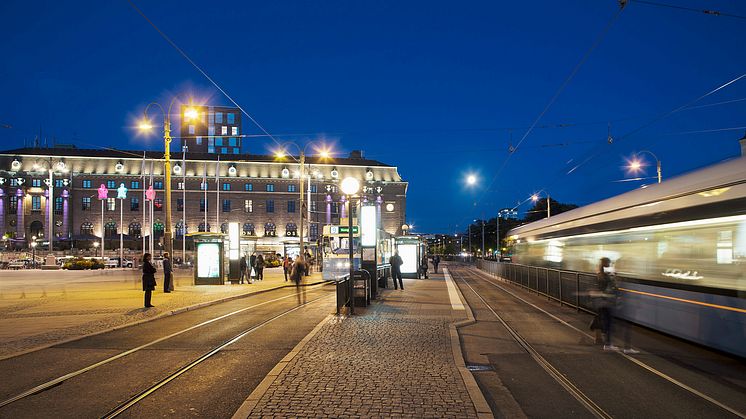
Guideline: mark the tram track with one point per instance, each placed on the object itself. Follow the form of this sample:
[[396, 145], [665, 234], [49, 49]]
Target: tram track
[[689, 389], [134, 400], [55, 382]]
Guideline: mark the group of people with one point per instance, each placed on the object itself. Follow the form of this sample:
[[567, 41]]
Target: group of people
[[255, 263], [148, 277]]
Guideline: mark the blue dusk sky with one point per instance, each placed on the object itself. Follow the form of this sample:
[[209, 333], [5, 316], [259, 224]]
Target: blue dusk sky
[[438, 89]]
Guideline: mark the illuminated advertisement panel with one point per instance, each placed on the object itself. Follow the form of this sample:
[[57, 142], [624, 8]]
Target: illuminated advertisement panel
[[208, 257], [368, 225], [408, 253]]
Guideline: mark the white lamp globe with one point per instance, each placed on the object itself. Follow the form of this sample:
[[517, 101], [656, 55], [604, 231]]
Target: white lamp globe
[[350, 186]]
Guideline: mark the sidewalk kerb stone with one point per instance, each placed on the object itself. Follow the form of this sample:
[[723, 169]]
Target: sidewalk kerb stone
[[251, 401], [477, 397], [159, 316]]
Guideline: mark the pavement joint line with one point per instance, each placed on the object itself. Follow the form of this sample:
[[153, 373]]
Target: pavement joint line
[[511, 408], [628, 357], [253, 399], [159, 316]]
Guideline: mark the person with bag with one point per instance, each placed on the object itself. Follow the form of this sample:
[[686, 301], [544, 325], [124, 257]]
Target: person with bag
[[148, 279]]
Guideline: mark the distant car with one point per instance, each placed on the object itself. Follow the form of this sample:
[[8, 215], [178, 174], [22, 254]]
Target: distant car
[[18, 264], [506, 258], [128, 262]]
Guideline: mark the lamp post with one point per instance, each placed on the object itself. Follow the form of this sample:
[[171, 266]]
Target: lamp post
[[103, 195], [62, 167], [33, 252], [535, 198], [189, 114], [281, 154], [635, 165], [497, 230], [350, 186], [121, 196]]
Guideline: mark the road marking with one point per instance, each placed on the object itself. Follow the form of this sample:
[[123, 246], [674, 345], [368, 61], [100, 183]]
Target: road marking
[[456, 303]]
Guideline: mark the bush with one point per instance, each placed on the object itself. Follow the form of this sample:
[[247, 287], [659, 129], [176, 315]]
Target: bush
[[79, 263]]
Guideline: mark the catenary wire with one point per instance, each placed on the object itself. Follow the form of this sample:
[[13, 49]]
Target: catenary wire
[[201, 71], [689, 9]]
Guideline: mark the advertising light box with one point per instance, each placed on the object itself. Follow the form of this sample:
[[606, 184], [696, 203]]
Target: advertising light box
[[208, 255], [408, 253], [368, 225]]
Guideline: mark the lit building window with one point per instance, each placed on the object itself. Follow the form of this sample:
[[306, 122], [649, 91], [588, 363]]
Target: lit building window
[[248, 229], [134, 204], [191, 129], [36, 183], [292, 188], [223, 130], [248, 205], [111, 204], [226, 205], [86, 184], [111, 184], [248, 187], [180, 186], [234, 130], [218, 117], [231, 118], [270, 187], [158, 184], [291, 206], [135, 184], [85, 204], [35, 203], [226, 186]]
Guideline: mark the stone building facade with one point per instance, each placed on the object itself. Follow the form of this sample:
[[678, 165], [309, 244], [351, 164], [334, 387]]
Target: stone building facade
[[260, 192]]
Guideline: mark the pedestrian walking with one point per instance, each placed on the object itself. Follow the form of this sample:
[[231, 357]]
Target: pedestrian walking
[[396, 262], [287, 265], [252, 265], [243, 267], [148, 279], [259, 267], [606, 301], [168, 274], [307, 262], [436, 262], [296, 275]]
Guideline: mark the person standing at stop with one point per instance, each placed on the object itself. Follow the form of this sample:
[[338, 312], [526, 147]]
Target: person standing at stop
[[148, 279], [396, 262], [168, 271]]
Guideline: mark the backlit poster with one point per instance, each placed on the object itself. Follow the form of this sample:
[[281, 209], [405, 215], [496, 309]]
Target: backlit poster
[[208, 260], [408, 253]]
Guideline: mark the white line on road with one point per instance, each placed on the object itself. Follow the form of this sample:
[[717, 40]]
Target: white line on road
[[456, 303]]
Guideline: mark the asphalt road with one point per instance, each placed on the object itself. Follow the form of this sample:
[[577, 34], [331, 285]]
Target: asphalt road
[[214, 388], [620, 387]]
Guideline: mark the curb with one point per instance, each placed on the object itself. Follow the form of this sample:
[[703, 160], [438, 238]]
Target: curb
[[250, 403], [157, 317], [475, 393]]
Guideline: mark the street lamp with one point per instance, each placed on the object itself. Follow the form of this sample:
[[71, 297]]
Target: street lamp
[[52, 166], [635, 165], [350, 186], [121, 196], [33, 251], [190, 113], [281, 153], [535, 198]]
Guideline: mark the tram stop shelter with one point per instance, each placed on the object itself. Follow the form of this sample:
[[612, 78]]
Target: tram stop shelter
[[209, 262]]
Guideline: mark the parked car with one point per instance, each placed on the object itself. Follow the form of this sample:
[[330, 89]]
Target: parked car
[[128, 262], [19, 264]]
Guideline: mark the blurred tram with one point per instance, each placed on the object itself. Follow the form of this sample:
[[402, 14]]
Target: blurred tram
[[678, 250]]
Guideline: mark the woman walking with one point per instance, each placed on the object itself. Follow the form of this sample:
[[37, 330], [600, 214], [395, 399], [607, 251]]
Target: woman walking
[[148, 279]]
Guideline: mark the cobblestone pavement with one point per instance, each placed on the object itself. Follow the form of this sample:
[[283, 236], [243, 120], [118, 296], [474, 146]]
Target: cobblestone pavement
[[40, 308], [392, 360]]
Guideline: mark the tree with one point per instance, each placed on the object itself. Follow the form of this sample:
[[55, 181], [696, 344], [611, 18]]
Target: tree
[[539, 210]]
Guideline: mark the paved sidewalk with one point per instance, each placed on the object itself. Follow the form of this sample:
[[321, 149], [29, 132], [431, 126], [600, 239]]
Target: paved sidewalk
[[393, 359], [40, 308]]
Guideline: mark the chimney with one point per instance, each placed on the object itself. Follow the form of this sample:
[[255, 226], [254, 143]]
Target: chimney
[[358, 154], [742, 141]]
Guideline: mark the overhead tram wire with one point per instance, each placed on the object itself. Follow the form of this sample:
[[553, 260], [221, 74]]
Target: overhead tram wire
[[565, 83], [198, 68], [689, 9]]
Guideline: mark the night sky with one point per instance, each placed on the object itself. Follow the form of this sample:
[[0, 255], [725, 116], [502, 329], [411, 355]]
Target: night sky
[[435, 88]]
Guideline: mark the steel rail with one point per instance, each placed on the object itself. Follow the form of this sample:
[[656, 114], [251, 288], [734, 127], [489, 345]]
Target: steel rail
[[553, 372], [630, 358], [61, 379], [152, 389]]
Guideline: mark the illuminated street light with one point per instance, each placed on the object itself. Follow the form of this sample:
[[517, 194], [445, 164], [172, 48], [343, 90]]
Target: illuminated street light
[[146, 125], [535, 198], [636, 165], [350, 186], [471, 180]]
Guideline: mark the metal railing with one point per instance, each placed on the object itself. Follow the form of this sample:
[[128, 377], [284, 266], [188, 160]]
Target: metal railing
[[566, 287]]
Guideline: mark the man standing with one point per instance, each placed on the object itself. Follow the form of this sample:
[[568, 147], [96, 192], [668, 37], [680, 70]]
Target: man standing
[[436, 261], [242, 268], [168, 279], [396, 263]]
